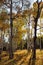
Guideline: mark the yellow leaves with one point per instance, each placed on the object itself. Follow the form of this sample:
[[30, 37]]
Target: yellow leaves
[[26, 13], [14, 23], [22, 31], [41, 15], [5, 26], [3, 15], [1, 25], [41, 5], [35, 9], [20, 21], [17, 38], [34, 14], [17, 24], [18, 15], [35, 6]]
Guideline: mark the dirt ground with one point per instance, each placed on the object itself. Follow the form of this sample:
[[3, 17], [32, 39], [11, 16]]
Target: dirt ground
[[22, 57]]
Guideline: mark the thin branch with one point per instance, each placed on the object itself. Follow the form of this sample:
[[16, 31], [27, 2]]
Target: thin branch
[[15, 2], [7, 4]]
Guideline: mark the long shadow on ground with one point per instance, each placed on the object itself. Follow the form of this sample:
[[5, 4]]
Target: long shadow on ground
[[31, 61]]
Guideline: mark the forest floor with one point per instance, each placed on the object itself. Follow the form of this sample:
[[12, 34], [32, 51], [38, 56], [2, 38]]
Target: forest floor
[[22, 57]]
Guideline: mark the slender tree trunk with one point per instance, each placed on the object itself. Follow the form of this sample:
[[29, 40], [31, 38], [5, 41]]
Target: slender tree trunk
[[34, 45], [11, 25]]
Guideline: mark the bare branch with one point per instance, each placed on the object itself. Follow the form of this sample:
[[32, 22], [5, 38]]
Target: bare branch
[[7, 4]]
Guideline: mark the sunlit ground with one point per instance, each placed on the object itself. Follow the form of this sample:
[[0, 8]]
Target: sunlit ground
[[22, 57]]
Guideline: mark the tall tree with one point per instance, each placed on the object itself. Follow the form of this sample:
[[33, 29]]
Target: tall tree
[[38, 11]]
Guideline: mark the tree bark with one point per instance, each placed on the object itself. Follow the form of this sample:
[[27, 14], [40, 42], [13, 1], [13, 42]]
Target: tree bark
[[11, 25], [35, 32], [34, 45]]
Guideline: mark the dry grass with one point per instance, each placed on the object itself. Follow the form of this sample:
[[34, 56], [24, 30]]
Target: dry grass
[[21, 57]]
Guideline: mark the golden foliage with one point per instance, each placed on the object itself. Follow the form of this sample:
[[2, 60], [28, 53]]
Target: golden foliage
[[6, 26], [41, 15], [3, 15], [41, 5], [1, 25], [35, 7], [34, 13], [17, 24]]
